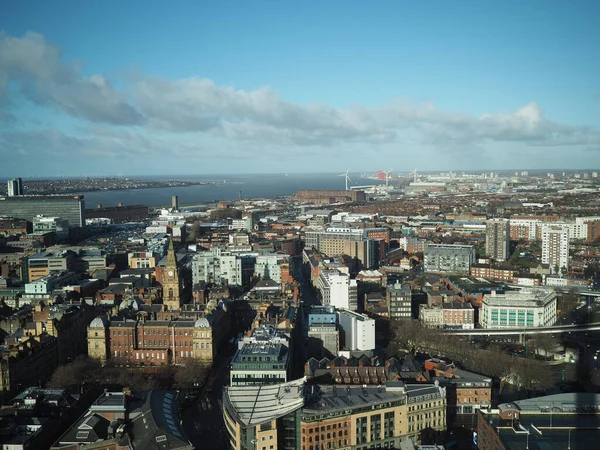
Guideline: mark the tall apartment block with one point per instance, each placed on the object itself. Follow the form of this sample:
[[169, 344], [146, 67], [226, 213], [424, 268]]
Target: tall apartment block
[[555, 247], [15, 187], [175, 202], [497, 239]]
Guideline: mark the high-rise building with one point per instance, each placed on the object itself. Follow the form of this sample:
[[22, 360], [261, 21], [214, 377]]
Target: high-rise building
[[555, 247], [15, 187], [337, 289], [497, 239], [175, 202], [68, 207]]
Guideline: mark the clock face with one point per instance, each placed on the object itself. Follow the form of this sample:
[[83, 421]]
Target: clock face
[[170, 273]]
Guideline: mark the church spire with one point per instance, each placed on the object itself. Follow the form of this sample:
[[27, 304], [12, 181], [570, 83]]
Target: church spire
[[171, 260]]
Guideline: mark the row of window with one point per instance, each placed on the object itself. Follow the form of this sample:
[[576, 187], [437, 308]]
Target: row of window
[[324, 427], [424, 406], [160, 331], [326, 436], [426, 415], [152, 355]]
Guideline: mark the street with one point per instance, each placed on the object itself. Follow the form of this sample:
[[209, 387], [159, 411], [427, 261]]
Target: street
[[203, 420]]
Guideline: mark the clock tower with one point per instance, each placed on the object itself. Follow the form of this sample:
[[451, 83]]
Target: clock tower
[[171, 281]]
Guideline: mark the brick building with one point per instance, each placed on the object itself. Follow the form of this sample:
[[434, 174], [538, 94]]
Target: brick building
[[158, 342], [500, 273], [458, 315]]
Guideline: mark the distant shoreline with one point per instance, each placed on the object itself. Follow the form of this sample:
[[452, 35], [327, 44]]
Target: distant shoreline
[[64, 187]]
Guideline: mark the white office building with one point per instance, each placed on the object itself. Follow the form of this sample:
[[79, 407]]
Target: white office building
[[555, 247], [268, 267], [337, 289], [157, 229], [42, 224], [535, 307], [216, 266], [358, 330]]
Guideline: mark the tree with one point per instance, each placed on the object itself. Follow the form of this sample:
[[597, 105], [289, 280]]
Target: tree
[[569, 300], [81, 370], [188, 376], [544, 344]]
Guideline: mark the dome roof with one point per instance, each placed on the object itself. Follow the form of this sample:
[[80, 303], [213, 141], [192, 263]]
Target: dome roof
[[202, 322], [98, 322]]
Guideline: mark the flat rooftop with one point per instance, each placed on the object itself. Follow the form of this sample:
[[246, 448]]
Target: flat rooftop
[[109, 400], [261, 348], [584, 431]]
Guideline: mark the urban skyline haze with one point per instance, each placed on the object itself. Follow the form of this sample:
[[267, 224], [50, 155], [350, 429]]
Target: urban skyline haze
[[256, 87]]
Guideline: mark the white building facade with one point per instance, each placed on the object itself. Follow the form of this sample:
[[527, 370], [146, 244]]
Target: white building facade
[[555, 247], [337, 289], [358, 330], [217, 267], [268, 267], [527, 308]]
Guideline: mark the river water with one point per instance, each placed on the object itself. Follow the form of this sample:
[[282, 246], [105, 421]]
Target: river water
[[251, 186]]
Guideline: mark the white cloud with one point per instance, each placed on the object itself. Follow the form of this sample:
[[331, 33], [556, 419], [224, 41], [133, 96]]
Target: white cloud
[[36, 67], [203, 109]]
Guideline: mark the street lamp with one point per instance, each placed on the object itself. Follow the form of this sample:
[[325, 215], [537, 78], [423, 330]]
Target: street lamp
[[569, 447]]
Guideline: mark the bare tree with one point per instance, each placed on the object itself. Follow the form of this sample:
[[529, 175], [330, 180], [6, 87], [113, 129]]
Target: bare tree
[[81, 370], [544, 344], [188, 376]]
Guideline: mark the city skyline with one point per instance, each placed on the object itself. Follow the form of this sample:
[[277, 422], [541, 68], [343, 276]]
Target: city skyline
[[277, 88]]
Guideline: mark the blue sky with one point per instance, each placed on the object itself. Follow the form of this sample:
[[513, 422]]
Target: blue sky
[[225, 87]]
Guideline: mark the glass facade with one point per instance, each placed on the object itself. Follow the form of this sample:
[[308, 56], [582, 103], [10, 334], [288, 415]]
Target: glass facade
[[71, 208]]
